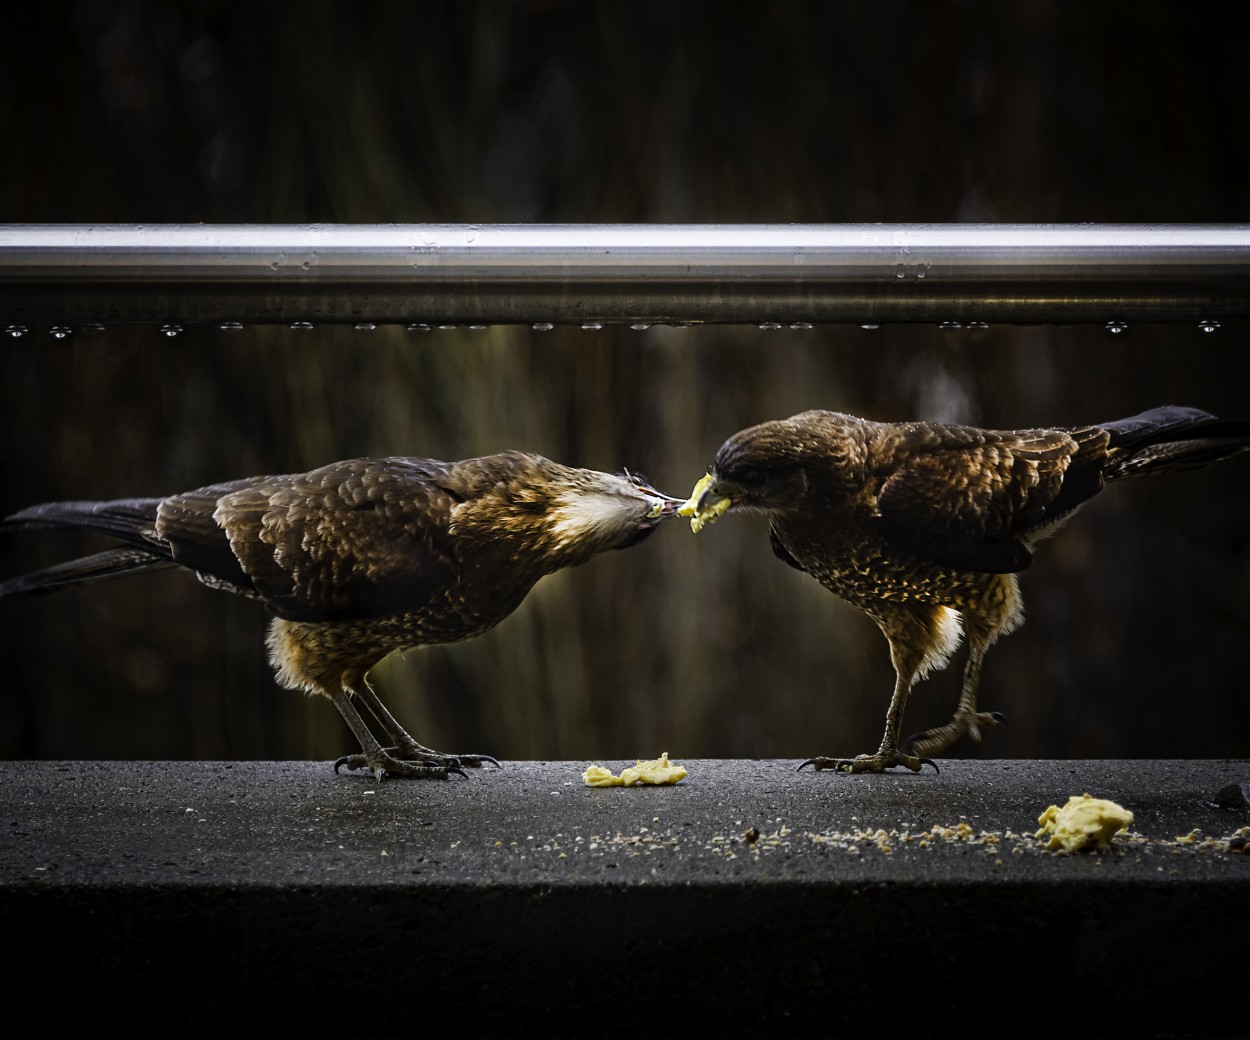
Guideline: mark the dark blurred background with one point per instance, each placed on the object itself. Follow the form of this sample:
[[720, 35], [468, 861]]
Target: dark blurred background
[[1137, 642]]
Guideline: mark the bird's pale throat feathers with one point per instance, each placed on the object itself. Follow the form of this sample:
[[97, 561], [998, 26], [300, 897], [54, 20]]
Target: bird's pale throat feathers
[[605, 513], [565, 514]]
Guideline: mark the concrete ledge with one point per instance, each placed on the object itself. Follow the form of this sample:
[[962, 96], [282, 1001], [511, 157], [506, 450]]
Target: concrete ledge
[[521, 902]]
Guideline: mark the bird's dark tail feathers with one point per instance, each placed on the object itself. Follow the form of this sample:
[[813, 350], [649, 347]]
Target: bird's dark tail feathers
[[132, 521], [1167, 439], [107, 564]]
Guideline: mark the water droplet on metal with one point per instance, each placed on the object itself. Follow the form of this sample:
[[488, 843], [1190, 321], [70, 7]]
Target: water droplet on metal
[[799, 325], [870, 327], [447, 328], [301, 326], [479, 328], [171, 330], [1116, 327], [365, 326], [640, 326], [900, 271], [60, 331], [592, 326], [17, 331], [419, 327], [978, 326], [950, 325], [542, 326], [768, 326], [231, 326], [1208, 325]]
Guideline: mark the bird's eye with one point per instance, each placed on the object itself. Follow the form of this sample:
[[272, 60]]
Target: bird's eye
[[750, 476]]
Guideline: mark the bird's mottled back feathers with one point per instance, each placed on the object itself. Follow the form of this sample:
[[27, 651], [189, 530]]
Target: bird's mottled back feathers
[[368, 538], [970, 498], [954, 496], [355, 539]]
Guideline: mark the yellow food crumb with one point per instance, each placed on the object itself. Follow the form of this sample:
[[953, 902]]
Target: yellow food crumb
[[1083, 820], [691, 506], [700, 518], [657, 771]]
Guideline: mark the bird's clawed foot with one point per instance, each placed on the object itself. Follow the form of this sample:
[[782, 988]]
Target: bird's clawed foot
[[877, 763], [417, 763], [940, 738]]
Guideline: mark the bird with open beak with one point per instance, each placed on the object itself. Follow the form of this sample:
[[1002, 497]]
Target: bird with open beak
[[925, 526]]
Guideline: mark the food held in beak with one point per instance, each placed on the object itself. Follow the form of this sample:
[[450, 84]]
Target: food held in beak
[[700, 517]]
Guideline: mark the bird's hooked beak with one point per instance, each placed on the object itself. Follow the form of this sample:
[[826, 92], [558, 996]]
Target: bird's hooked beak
[[705, 504], [662, 506]]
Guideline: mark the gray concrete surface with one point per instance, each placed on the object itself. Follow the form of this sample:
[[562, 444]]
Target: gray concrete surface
[[520, 902]]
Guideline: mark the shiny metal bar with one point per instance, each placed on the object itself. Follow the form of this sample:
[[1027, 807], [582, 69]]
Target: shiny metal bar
[[649, 273]]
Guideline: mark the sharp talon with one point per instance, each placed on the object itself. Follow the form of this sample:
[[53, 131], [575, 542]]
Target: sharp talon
[[458, 770], [344, 761], [999, 717], [813, 762], [929, 762]]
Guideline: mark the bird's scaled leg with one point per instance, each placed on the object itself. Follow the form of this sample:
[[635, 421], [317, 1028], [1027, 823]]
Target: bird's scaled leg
[[377, 759], [402, 745], [966, 720], [906, 664]]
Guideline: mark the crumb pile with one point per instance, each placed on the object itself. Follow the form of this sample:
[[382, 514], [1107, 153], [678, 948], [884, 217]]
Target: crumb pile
[[656, 771], [1083, 822]]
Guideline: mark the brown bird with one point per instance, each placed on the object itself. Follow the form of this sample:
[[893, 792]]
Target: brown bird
[[366, 556], [925, 526]]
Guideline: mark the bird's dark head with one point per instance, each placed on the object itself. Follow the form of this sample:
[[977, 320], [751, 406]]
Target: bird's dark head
[[766, 467]]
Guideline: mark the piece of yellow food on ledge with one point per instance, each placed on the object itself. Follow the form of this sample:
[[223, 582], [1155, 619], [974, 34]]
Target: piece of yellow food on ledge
[[1082, 821], [700, 518], [657, 771]]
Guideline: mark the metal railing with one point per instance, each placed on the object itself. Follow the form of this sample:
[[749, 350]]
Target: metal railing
[[623, 273]]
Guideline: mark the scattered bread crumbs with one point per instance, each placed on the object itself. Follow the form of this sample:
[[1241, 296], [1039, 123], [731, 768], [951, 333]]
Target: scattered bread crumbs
[[1083, 820], [657, 771]]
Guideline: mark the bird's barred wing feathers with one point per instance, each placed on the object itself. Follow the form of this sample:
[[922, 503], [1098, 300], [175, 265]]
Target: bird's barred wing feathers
[[969, 498], [352, 540]]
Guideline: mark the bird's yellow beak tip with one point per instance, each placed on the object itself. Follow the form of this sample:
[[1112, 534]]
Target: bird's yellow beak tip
[[701, 516]]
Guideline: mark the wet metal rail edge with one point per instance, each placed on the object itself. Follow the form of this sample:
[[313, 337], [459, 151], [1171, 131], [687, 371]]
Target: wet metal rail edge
[[590, 274]]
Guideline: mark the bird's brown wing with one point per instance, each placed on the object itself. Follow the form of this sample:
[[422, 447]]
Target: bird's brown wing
[[970, 499], [781, 552], [194, 538], [356, 539]]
